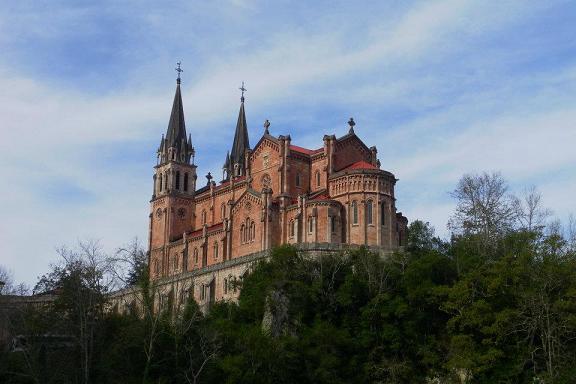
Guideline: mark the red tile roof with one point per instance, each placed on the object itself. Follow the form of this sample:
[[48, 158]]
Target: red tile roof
[[360, 165], [305, 151]]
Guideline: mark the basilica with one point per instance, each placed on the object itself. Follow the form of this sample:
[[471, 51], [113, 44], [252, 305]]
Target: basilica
[[205, 234]]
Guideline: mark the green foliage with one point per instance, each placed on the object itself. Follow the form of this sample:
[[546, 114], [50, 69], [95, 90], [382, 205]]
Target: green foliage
[[452, 312]]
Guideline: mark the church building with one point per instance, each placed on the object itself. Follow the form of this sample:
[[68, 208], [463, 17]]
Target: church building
[[205, 234]]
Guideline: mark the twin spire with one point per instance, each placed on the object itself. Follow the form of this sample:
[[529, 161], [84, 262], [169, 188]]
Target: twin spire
[[177, 146], [234, 164]]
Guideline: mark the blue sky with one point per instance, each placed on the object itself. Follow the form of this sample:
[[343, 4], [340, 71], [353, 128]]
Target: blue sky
[[442, 88]]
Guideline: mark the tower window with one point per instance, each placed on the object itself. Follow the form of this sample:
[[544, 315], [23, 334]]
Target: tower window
[[186, 182], [369, 212], [297, 179], [203, 217], [223, 211], [178, 180], [242, 239], [354, 212], [317, 178]]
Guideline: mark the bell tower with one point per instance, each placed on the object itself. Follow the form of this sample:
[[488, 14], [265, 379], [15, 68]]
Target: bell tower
[[172, 204]]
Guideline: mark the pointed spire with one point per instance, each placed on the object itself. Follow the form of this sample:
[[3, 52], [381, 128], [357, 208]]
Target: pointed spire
[[176, 126], [176, 146], [241, 142]]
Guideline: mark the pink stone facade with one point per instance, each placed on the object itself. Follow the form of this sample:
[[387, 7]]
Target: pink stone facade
[[335, 194]]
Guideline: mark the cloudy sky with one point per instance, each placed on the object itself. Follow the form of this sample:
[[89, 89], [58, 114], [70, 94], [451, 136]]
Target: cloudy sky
[[442, 88]]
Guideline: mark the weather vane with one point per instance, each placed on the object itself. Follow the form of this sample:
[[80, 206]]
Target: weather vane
[[243, 90], [179, 70]]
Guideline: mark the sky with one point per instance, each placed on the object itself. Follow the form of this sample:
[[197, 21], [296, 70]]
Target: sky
[[442, 88]]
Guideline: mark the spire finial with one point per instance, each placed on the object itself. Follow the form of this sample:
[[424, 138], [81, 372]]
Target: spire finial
[[351, 123], [243, 90], [266, 125], [179, 70]]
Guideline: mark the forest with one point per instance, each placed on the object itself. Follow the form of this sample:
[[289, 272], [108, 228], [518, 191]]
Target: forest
[[493, 303]]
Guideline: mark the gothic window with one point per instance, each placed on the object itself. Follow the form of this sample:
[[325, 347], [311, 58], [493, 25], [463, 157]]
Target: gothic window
[[369, 212], [242, 230], [215, 250], [354, 212], [186, 182], [333, 224], [223, 211], [253, 231], [178, 180], [295, 227], [292, 228], [202, 292], [310, 224], [382, 214], [203, 217], [161, 182], [297, 179], [195, 255], [317, 178], [166, 181]]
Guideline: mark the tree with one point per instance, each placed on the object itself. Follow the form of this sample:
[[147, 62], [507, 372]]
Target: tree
[[530, 213], [484, 207], [82, 280]]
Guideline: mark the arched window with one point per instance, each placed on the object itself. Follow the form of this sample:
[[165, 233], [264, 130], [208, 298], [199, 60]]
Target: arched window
[[178, 180], [242, 230], [195, 256], [297, 179], [161, 182], [166, 181], [369, 212], [215, 250], [317, 178], [382, 214], [203, 217], [310, 224], [252, 231], [202, 292], [223, 211], [354, 212], [292, 228], [186, 182], [333, 224]]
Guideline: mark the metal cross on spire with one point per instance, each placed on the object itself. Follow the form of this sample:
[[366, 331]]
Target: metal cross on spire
[[179, 70], [243, 90]]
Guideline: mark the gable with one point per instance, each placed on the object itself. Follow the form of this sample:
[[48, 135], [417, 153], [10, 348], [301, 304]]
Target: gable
[[350, 149]]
